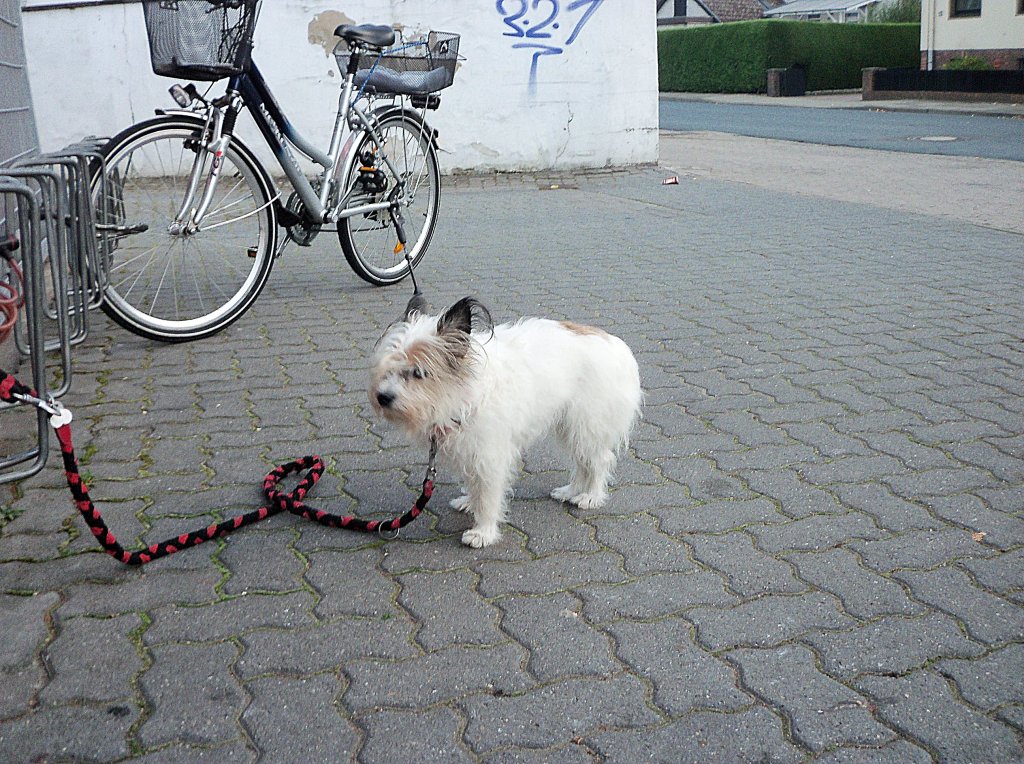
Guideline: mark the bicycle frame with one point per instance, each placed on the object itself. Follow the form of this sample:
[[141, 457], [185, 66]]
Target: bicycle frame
[[251, 91]]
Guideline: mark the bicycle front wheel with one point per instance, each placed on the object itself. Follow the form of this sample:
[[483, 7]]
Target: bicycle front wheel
[[369, 240], [173, 286]]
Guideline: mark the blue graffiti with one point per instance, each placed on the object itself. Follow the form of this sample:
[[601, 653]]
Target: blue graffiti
[[537, 26]]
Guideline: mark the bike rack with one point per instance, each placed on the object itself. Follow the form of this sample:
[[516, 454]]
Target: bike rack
[[46, 206]]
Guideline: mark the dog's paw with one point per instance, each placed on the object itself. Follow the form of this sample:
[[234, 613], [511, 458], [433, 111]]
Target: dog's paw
[[589, 500], [565, 493], [478, 537], [461, 504], [581, 500]]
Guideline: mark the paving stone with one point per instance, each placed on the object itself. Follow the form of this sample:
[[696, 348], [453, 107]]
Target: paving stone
[[890, 511], [92, 659], [230, 753], [914, 455], [448, 555], [766, 621], [704, 481], [851, 469], [1000, 528], [41, 511], [652, 596], [892, 645], [748, 570], [864, 593], [685, 677], [299, 720], [795, 498], [280, 569], [560, 642], [145, 591], [644, 548], [550, 574], [1002, 573], [351, 583], [922, 706], [816, 532], [555, 713], [719, 516], [550, 528], [896, 752], [449, 610], [990, 681], [573, 753], [50, 732], [192, 695], [746, 428], [955, 432], [311, 649], [23, 622], [941, 482], [434, 736], [918, 549], [226, 618], [825, 440], [823, 712], [988, 618], [748, 737], [436, 677]]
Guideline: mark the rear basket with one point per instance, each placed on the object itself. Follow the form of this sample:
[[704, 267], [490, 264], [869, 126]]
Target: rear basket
[[200, 39], [418, 67]]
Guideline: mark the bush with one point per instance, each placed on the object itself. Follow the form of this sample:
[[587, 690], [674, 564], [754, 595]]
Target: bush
[[969, 63], [735, 57], [900, 11]]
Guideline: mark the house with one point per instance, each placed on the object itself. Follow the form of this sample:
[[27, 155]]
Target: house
[[684, 12], [841, 11], [989, 29]]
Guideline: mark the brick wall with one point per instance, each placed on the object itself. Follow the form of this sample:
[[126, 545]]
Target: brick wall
[[1005, 58]]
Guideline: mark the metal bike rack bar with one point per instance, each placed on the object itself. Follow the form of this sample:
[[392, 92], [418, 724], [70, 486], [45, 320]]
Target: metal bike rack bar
[[46, 205], [51, 194], [20, 218]]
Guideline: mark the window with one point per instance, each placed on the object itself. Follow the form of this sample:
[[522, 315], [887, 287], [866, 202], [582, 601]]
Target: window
[[962, 8]]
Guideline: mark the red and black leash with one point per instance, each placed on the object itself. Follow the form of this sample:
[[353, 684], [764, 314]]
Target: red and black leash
[[12, 391]]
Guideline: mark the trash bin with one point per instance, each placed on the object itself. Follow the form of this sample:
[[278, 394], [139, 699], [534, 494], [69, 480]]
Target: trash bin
[[788, 82]]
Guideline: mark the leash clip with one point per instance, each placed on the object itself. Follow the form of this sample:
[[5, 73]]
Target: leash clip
[[59, 416]]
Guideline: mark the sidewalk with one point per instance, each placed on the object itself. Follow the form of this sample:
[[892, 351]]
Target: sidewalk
[[814, 551], [852, 100]]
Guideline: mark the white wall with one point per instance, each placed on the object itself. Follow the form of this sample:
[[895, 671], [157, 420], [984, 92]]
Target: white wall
[[591, 104], [998, 27]]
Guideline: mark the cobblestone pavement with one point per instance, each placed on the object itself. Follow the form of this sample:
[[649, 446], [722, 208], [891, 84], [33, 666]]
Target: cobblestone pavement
[[815, 550]]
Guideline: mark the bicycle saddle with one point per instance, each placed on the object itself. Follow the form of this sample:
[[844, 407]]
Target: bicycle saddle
[[374, 35]]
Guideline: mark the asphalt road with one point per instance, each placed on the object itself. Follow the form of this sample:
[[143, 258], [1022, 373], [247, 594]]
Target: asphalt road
[[924, 133]]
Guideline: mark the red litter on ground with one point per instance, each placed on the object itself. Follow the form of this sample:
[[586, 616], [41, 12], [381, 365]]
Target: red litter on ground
[[673, 181]]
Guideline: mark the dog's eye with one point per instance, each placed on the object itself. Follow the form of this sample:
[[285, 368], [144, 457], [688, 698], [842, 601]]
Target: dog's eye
[[418, 373]]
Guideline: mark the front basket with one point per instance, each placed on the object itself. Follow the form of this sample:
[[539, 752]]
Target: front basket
[[200, 39]]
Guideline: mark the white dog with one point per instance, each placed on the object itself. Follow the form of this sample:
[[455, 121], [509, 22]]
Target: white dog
[[485, 393]]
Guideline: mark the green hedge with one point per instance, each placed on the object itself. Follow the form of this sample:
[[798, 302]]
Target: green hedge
[[735, 57]]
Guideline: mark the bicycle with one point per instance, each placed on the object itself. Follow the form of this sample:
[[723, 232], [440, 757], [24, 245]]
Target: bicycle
[[193, 214]]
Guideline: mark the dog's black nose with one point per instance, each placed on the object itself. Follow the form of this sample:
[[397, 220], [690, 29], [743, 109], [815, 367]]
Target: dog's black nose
[[385, 399]]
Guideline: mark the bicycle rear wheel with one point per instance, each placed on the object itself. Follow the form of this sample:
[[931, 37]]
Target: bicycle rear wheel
[[176, 287], [369, 240]]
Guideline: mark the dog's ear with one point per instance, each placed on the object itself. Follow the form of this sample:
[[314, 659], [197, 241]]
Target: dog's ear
[[465, 316]]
